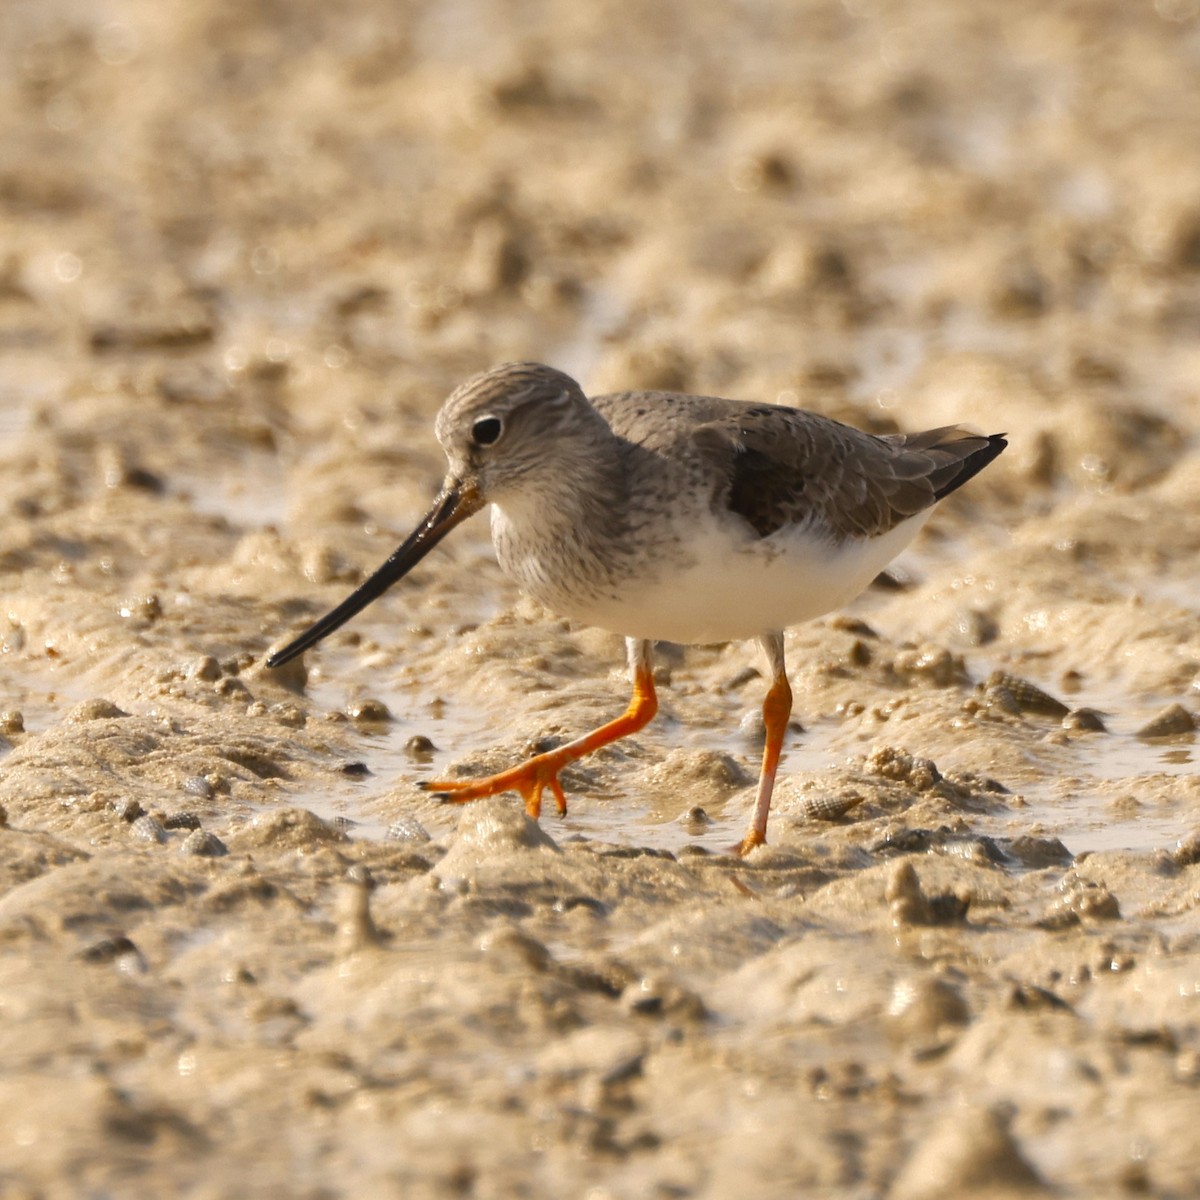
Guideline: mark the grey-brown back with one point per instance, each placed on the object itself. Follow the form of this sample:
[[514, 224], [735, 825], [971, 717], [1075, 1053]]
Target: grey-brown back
[[775, 466]]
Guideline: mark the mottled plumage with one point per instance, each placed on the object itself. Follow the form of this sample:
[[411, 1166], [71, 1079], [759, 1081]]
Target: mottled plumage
[[776, 466], [674, 517]]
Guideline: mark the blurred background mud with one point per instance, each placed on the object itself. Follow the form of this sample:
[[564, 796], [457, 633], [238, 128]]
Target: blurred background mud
[[245, 251]]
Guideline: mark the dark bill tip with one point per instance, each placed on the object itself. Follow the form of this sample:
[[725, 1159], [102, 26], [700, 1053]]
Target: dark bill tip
[[454, 504]]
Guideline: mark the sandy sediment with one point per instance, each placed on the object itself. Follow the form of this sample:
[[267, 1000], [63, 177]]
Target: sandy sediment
[[247, 250]]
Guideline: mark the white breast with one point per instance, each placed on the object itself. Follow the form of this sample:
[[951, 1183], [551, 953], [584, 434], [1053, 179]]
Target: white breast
[[726, 586]]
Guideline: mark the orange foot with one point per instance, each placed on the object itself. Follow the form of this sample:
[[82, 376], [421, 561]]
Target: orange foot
[[529, 778], [753, 838], [533, 776]]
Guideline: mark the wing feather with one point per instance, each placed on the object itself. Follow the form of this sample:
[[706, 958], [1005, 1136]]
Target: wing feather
[[785, 466], [776, 466]]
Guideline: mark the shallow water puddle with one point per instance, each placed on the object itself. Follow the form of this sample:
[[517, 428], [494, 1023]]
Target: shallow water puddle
[[42, 707], [29, 380], [1183, 593], [1081, 827], [601, 311], [1112, 790], [377, 802], [1073, 793], [1083, 810], [248, 492], [626, 812]]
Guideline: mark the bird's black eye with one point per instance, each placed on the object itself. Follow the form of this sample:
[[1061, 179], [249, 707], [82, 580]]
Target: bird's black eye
[[486, 430]]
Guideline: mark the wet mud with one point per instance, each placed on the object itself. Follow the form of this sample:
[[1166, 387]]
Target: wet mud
[[247, 250]]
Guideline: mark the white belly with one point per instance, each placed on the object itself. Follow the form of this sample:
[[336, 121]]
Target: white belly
[[729, 589]]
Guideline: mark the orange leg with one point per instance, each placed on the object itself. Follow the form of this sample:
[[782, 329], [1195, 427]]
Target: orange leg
[[777, 708], [533, 776]]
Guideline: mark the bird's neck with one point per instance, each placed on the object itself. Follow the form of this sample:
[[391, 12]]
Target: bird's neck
[[566, 526], [586, 486]]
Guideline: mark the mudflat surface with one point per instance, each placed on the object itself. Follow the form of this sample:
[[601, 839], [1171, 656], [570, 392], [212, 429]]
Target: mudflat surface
[[246, 249]]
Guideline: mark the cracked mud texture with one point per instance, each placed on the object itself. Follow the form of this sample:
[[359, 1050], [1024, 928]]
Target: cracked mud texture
[[245, 251]]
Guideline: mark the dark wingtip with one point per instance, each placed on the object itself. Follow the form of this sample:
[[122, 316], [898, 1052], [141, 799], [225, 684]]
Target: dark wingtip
[[974, 462]]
